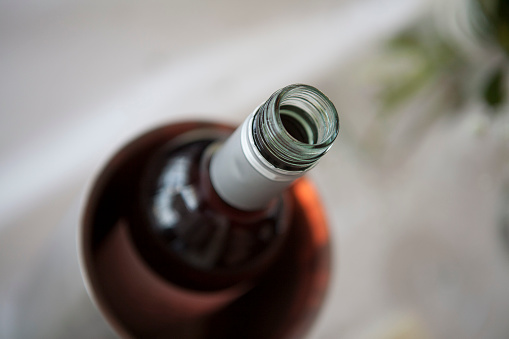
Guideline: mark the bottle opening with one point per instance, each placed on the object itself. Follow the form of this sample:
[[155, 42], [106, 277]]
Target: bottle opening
[[295, 127], [298, 124]]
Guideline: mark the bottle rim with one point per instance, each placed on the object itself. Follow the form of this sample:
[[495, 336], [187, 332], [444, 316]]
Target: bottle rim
[[317, 116]]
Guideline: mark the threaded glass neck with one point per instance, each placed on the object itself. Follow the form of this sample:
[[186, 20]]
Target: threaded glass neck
[[295, 127]]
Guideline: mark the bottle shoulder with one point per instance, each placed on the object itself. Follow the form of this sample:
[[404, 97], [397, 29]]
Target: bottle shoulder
[[178, 224], [177, 217]]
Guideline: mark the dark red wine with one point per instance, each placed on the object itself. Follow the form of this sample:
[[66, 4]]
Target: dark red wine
[[166, 257]]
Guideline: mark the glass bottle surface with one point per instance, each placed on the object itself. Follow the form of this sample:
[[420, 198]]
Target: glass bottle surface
[[275, 294]]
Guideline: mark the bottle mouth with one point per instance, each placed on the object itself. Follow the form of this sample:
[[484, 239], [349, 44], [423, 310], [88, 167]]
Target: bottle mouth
[[295, 127]]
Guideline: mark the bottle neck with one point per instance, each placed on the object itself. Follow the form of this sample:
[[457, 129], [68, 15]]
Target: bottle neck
[[278, 143]]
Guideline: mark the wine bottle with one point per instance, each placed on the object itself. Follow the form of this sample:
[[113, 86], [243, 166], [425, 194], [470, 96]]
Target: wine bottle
[[192, 231]]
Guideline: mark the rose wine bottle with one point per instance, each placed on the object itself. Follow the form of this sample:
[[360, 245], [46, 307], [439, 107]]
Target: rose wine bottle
[[194, 230]]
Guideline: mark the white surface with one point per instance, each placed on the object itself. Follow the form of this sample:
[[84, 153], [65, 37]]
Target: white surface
[[415, 227]]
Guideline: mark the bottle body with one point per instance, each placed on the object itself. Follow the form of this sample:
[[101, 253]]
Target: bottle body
[[268, 283], [186, 235]]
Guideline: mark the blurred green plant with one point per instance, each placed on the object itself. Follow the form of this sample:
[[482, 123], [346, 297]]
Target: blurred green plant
[[496, 14], [436, 60], [431, 61], [494, 93], [447, 62]]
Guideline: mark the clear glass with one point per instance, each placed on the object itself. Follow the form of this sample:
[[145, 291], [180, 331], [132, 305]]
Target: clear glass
[[295, 127]]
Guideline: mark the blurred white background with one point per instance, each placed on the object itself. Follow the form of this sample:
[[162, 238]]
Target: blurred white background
[[416, 191]]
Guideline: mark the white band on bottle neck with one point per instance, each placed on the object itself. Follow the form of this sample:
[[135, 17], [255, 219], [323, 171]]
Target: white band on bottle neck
[[259, 163], [242, 177]]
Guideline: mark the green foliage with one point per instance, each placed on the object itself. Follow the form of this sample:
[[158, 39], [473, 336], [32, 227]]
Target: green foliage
[[436, 61], [497, 14], [433, 61], [494, 93]]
